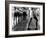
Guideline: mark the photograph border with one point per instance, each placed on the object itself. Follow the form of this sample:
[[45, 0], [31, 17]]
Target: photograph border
[[7, 18]]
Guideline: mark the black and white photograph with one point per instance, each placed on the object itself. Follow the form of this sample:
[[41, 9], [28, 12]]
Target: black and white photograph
[[25, 19]]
